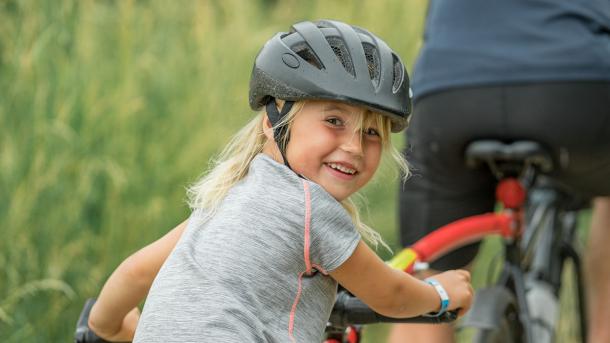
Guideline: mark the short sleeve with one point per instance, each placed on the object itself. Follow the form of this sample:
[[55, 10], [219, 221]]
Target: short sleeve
[[333, 234], [196, 218]]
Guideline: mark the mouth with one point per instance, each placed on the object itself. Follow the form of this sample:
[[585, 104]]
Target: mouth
[[342, 170]]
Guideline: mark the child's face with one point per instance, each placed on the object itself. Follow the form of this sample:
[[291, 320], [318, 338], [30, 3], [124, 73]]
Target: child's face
[[328, 147]]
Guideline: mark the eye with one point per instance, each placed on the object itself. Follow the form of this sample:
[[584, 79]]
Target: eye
[[371, 132], [334, 121]]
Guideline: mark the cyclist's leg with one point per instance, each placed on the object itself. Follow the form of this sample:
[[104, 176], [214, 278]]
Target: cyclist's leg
[[442, 189], [598, 269], [401, 333]]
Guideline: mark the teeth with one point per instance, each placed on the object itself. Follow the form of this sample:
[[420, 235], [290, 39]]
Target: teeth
[[342, 168]]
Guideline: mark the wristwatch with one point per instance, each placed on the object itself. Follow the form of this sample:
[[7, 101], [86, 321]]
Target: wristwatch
[[442, 293]]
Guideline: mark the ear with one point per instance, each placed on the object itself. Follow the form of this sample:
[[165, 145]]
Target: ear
[[268, 128]]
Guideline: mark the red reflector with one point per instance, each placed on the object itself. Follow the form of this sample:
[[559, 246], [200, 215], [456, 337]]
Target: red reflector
[[510, 193]]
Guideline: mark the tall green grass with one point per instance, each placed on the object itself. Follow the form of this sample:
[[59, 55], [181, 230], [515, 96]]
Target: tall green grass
[[108, 110]]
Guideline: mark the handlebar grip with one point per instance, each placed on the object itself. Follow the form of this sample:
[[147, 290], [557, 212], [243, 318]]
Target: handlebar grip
[[83, 333], [349, 310]]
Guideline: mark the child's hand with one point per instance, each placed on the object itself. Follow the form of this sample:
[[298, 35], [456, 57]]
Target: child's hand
[[127, 330], [458, 287]]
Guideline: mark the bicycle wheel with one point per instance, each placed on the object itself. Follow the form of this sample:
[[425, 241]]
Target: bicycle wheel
[[494, 317]]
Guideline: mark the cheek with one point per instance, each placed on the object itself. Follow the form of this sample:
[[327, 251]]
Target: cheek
[[317, 145], [373, 156], [307, 151]]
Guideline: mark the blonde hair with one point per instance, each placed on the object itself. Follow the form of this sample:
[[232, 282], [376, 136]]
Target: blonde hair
[[233, 163]]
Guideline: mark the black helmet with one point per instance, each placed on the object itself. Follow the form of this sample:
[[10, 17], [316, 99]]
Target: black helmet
[[335, 61]]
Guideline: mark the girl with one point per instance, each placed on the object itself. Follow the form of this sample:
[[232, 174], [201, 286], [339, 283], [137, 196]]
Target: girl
[[273, 229]]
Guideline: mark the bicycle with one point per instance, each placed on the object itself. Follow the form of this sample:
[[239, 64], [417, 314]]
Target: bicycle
[[537, 225]]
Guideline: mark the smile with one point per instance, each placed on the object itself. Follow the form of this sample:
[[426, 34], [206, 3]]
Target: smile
[[341, 168]]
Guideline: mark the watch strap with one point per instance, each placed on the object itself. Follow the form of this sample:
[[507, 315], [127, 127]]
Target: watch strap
[[442, 293]]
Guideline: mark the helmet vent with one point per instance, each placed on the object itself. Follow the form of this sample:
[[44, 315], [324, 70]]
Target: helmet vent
[[323, 24], [342, 54], [306, 52], [399, 71], [372, 59]]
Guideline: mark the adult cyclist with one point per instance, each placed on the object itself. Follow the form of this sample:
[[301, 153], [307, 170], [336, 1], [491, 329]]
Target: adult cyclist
[[520, 69]]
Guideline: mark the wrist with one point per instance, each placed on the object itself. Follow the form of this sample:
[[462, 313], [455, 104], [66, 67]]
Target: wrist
[[442, 295]]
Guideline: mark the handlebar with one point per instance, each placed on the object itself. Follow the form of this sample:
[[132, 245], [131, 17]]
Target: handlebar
[[83, 333], [349, 310]]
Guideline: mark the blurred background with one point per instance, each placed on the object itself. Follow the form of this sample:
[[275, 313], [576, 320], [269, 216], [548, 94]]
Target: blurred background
[[109, 109]]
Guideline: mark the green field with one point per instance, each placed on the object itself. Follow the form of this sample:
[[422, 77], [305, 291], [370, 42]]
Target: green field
[[109, 109]]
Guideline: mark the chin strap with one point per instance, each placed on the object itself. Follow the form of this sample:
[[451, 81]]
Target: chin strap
[[282, 130]]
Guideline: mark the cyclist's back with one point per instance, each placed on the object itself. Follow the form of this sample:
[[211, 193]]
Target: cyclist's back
[[482, 42], [508, 70]]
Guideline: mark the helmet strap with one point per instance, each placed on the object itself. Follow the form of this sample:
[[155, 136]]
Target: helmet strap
[[282, 130]]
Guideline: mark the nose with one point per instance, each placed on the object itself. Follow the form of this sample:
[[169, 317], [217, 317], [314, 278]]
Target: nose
[[352, 143]]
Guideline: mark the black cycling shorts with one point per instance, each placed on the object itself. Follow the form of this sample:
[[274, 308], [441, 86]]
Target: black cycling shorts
[[572, 119]]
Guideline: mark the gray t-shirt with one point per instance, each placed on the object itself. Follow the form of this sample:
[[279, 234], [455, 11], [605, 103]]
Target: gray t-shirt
[[242, 275]]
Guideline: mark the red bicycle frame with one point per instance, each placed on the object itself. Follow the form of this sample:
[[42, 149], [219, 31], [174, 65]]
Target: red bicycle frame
[[509, 192]]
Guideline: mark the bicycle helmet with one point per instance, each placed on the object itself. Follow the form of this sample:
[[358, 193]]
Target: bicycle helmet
[[334, 61]]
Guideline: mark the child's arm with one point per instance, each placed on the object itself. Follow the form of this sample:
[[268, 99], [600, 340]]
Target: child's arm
[[115, 314], [394, 293]]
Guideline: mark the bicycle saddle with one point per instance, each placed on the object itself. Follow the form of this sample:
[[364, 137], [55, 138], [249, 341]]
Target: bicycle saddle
[[515, 154]]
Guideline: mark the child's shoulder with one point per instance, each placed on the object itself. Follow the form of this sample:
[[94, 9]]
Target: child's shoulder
[[285, 186], [324, 207], [320, 197], [276, 179]]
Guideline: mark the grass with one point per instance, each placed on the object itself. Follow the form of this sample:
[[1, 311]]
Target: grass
[[109, 109]]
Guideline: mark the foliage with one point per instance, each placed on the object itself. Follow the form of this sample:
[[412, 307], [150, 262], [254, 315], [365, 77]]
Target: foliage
[[108, 110]]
